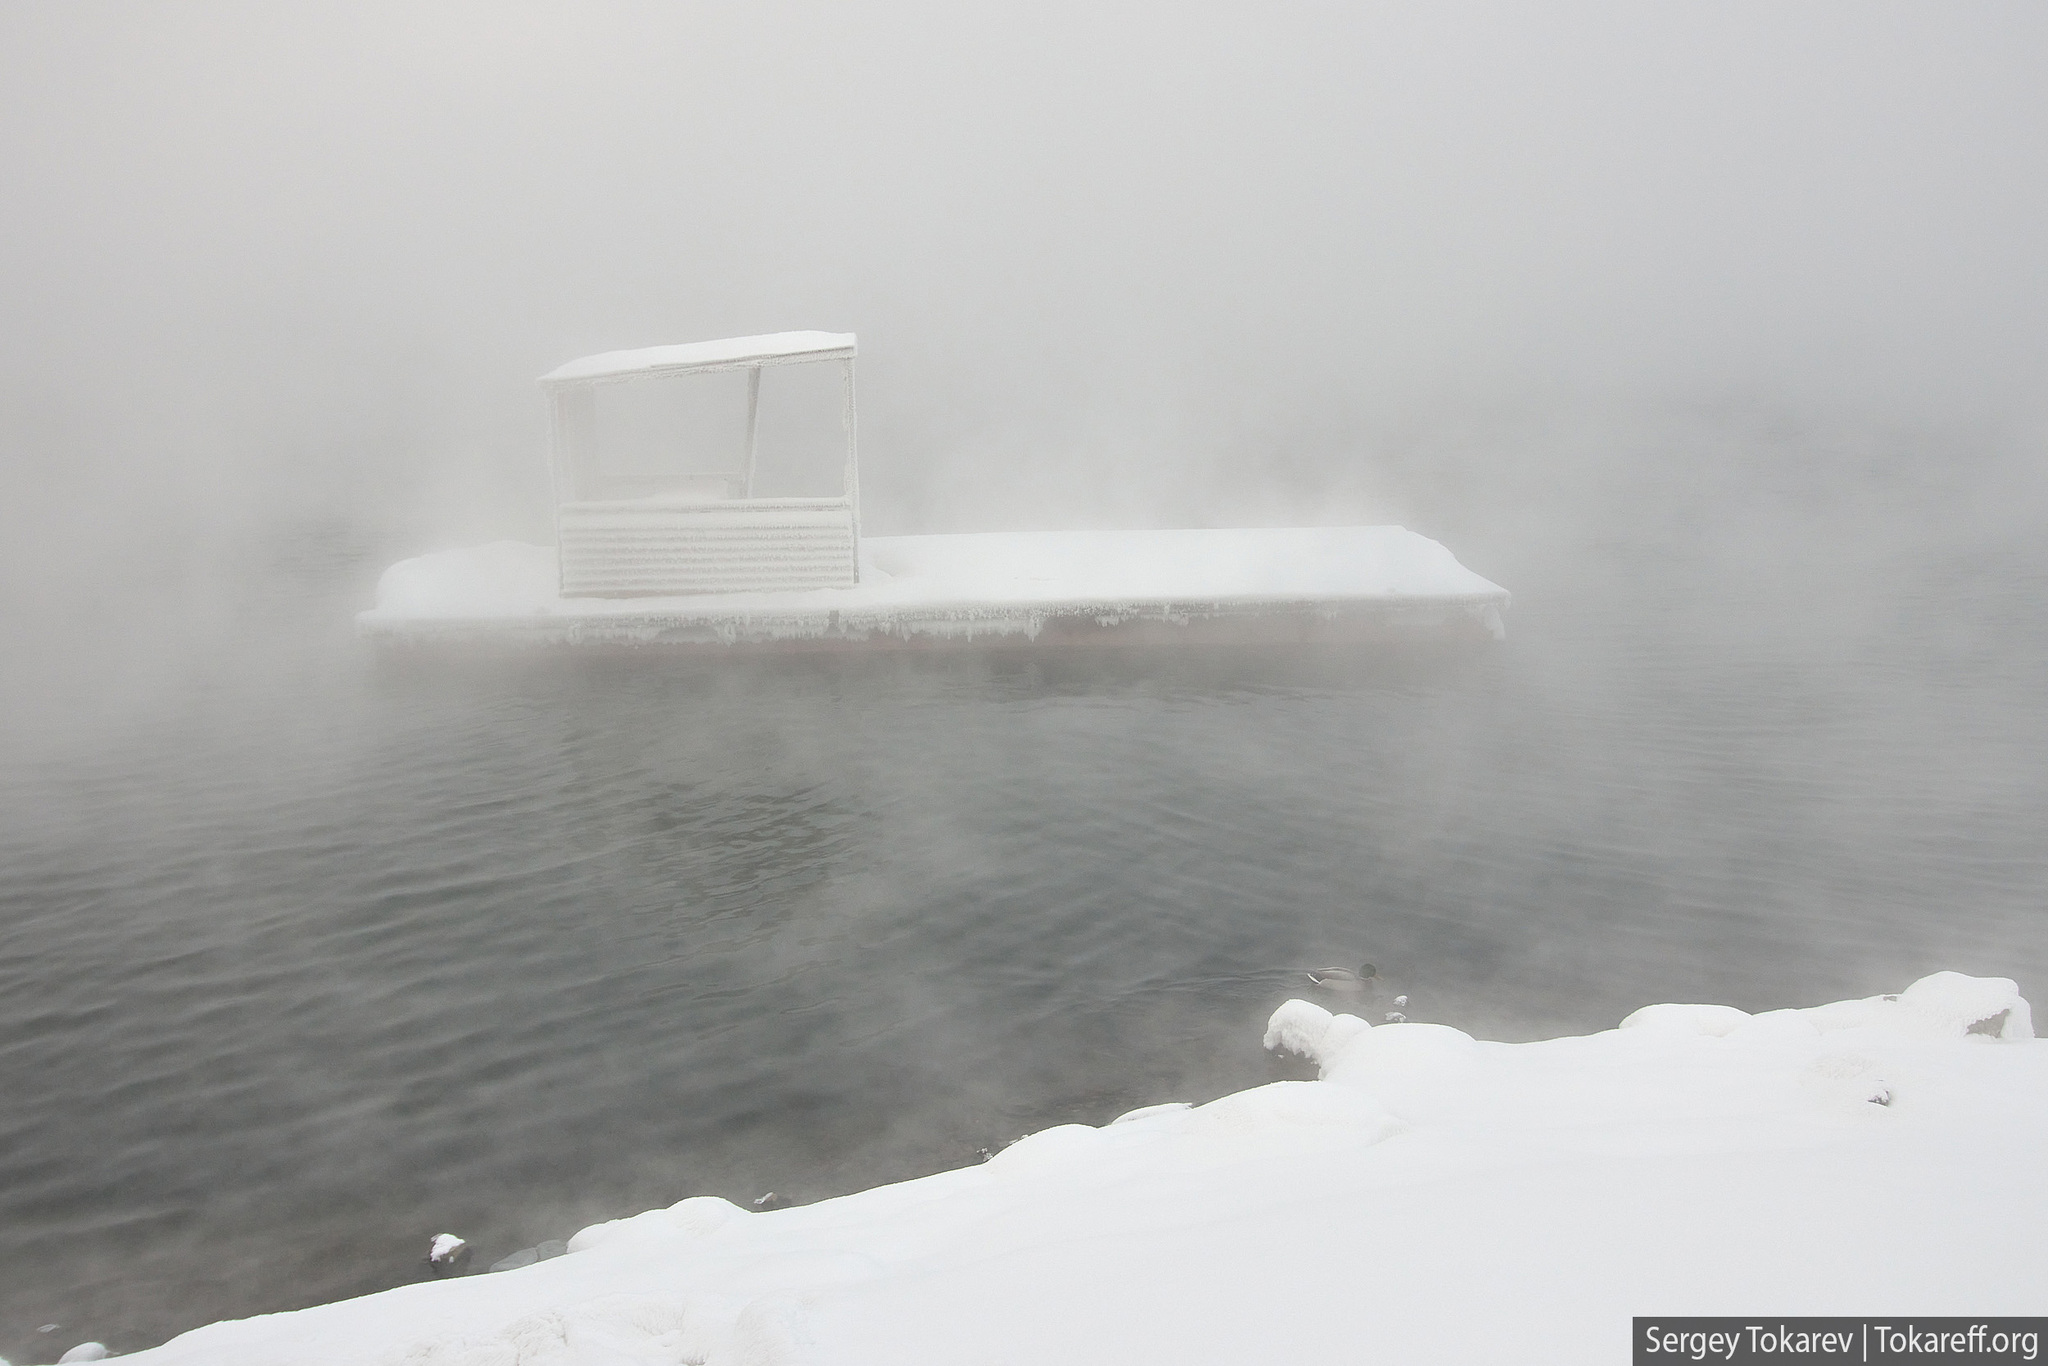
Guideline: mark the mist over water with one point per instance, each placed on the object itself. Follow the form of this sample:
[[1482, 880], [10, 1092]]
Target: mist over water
[[1712, 333]]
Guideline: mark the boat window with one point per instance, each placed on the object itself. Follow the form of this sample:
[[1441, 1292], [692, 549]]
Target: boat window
[[672, 435], [802, 451]]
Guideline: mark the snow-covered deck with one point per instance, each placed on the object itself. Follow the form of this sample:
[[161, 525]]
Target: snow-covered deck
[[985, 587]]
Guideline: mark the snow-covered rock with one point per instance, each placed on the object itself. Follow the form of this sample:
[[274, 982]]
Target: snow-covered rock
[[448, 1255]]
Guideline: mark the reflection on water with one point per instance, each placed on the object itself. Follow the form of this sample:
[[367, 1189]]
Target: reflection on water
[[327, 957]]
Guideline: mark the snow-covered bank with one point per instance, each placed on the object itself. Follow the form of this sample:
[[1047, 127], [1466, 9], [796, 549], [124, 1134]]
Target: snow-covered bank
[[1432, 1198]]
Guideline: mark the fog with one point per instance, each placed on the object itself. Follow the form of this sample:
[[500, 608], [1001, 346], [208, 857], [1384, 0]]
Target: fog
[[1137, 266], [1713, 332]]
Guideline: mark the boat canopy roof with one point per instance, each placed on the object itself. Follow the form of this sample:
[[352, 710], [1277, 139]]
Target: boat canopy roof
[[732, 353]]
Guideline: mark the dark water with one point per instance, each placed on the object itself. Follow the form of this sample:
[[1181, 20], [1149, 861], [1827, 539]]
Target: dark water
[[311, 960]]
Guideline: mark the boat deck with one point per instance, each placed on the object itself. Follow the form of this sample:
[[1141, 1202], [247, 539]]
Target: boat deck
[[987, 588]]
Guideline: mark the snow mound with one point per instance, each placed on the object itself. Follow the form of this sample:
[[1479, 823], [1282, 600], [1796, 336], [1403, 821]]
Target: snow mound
[[1306, 1030], [1946, 1005], [1943, 1005], [1713, 1021]]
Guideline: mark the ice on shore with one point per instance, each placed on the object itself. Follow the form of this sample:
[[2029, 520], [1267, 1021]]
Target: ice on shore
[[1432, 1197]]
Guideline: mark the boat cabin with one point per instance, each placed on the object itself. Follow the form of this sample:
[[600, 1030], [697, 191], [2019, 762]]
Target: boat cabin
[[637, 533]]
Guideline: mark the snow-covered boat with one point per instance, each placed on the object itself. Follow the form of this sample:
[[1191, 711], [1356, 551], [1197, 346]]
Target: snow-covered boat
[[681, 552]]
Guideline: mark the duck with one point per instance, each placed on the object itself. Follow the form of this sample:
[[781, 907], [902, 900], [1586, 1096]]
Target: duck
[[1345, 981]]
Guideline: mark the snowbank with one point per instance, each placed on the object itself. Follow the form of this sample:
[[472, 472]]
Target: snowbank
[[1431, 1198]]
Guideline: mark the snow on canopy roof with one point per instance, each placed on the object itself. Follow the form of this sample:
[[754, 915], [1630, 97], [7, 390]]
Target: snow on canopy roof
[[705, 355]]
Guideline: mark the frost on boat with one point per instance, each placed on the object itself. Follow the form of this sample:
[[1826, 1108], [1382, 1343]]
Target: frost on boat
[[662, 544]]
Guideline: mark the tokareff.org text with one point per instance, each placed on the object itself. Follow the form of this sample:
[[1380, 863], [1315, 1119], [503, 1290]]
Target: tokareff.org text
[[1879, 1340]]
